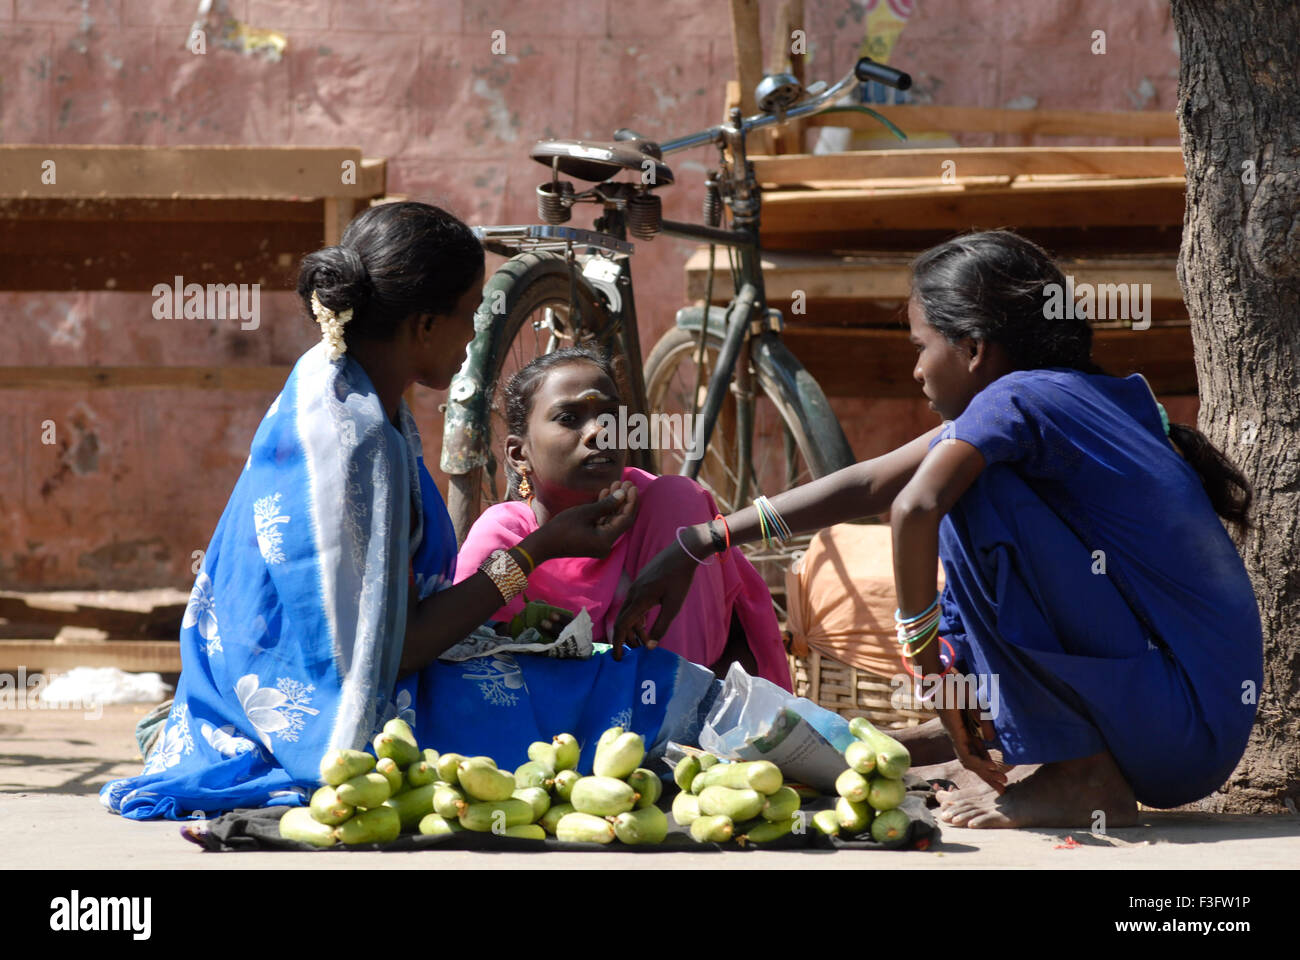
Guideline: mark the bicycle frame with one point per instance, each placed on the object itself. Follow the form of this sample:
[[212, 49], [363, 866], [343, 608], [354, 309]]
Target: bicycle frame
[[605, 253]]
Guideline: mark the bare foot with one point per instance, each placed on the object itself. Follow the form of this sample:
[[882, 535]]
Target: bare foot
[[953, 771], [928, 743], [1065, 794]]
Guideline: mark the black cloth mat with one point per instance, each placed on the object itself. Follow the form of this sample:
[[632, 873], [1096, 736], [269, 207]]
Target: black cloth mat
[[259, 829]]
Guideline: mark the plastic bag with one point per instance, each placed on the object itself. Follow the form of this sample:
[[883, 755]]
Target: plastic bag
[[754, 719]]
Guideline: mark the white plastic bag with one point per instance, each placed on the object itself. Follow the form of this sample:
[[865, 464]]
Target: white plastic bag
[[754, 719]]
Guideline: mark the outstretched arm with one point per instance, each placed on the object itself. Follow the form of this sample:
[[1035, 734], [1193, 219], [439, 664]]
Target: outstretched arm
[[863, 490]]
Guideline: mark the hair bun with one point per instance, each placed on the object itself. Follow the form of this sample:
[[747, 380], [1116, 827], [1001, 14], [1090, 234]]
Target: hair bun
[[338, 276]]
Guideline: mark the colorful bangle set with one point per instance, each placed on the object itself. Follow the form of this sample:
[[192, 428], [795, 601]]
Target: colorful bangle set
[[770, 522], [921, 628]]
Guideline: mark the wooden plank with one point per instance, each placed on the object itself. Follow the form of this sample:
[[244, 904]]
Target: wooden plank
[[49, 656], [869, 362], [137, 255], [971, 162], [747, 52], [18, 608], [916, 118], [787, 138], [128, 210], [883, 277], [1098, 203], [266, 378], [287, 173]]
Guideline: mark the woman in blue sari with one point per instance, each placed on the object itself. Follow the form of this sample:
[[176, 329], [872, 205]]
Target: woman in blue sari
[[1093, 599], [326, 595]]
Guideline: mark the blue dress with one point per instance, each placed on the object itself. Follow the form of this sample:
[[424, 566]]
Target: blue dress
[[1092, 587], [291, 641]]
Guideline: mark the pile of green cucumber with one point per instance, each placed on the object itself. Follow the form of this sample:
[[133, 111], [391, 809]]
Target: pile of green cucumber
[[404, 789], [747, 802], [870, 790]]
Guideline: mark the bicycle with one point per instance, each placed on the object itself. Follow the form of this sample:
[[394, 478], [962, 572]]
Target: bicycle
[[569, 285]]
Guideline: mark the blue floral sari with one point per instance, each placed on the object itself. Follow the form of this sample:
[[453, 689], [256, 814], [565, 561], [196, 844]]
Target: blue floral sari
[[292, 638]]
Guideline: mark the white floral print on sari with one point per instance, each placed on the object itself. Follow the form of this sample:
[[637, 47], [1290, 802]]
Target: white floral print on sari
[[496, 677], [174, 743], [267, 518], [202, 612], [279, 711], [226, 741]]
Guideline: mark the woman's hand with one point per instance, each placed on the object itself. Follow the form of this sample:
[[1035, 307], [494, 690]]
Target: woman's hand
[[663, 582], [967, 733], [590, 529]]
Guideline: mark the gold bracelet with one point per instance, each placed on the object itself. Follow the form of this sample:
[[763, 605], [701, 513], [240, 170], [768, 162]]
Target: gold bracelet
[[532, 564], [505, 573]]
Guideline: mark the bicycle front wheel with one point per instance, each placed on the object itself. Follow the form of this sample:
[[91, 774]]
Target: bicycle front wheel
[[533, 295], [791, 443]]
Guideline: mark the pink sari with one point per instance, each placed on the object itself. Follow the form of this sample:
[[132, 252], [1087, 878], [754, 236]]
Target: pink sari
[[699, 632]]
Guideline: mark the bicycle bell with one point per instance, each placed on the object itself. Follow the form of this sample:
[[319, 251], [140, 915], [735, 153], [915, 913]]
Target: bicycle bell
[[777, 92]]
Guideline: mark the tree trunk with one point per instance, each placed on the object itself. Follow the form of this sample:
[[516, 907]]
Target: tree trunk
[[1239, 113]]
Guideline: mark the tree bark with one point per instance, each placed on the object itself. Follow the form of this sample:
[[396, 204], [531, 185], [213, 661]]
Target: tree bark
[[1239, 266]]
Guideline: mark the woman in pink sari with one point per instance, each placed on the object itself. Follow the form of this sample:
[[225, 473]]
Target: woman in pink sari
[[554, 461]]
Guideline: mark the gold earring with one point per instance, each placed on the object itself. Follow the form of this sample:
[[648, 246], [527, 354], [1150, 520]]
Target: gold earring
[[526, 489]]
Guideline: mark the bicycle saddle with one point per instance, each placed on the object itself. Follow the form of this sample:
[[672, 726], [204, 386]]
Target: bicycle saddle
[[597, 160]]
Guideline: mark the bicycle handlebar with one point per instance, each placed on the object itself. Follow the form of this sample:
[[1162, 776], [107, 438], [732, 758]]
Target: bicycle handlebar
[[864, 69]]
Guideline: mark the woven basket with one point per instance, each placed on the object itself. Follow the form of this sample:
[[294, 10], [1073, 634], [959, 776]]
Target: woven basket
[[851, 692]]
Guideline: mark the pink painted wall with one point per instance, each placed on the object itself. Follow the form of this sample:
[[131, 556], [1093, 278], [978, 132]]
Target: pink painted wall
[[137, 480]]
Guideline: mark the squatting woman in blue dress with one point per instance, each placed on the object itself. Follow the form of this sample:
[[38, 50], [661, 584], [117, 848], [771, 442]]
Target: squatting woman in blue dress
[[1089, 579]]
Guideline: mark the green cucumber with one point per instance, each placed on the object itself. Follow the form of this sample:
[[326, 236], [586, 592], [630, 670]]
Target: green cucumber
[[338, 766], [602, 796], [707, 760], [398, 727], [449, 768], [687, 769], [686, 808], [564, 781], [380, 825], [413, 805], [430, 757], [852, 786], [399, 750], [886, 794], [533, 774], [495, 817], [447, 800], [552, 816], [854, 817], [567, 751], [761, 775], [860, 757], [890, 826], [392, 774], [827, 821], [618, 756], [421, 773], [436, 825], [536, 797], [716, 829], [781, 805], [299, 824], [543, 753], [584, 828], [484, 783], [526, 831], [768, 830], [744, 804], [326, 807], [647, 783], [892, 758], [645, 826], [369, 790]]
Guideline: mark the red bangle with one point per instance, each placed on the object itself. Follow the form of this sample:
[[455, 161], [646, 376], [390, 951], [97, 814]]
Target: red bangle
[[952, 659], [726, 530]]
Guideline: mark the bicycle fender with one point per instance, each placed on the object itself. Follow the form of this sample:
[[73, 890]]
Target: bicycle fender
[[690, 318], [464, 441], [819, 423]]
